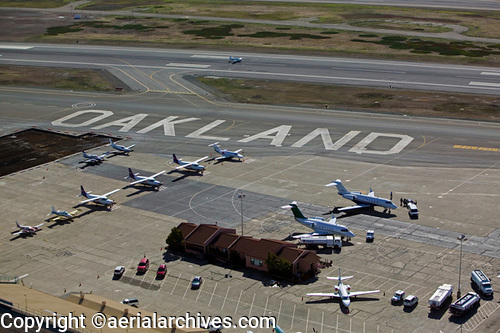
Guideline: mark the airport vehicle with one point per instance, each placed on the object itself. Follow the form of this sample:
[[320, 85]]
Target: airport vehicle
[[151, 181], [481, 282], [196, 283], [410, 301], [62, 214], [362, 200], [26, 229], [464, 304], [162, 271], [440, 296], [412, 210], [327, 241], [234, 60], [320, 226], [194, 166], [95, 198], [131, 301], [226, 154], [370, 236], [93, 159], [398, 297], [143, 265], [118, 272], [342, 291], [120, 148]]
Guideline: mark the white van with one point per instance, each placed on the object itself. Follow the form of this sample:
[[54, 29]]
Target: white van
[[412, 210], [481, 281], [410, 301]]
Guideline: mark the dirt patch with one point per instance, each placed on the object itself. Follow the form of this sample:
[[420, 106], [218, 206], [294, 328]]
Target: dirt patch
[[32, 147]]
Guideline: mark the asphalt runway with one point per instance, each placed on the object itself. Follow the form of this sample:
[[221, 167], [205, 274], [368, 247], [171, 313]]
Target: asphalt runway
[[451, 167]]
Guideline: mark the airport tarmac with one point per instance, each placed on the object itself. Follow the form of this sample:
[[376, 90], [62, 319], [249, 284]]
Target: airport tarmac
[[414, 255]]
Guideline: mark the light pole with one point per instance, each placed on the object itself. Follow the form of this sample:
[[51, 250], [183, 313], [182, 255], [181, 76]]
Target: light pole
[[461, 238], [241, 195]]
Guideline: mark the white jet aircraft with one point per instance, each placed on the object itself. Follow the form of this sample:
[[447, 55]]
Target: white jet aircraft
[[26, 229], [62, 214], [362, 200], [97, 199], [190, 165], [93, 159], [226, 154], [234, 60], [151, 181], [318, 224], [120, 148], [343, 291]]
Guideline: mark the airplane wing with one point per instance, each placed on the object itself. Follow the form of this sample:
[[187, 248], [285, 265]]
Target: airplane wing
[[221, 158], [138, 181], [324, 294], [344, 209], [17, 233], [239, 150], [184, 166], [199, 160], [89, 200], [356, 293], [130, 147], [38, 226], [157, 174], [337, 278], [109, 193]]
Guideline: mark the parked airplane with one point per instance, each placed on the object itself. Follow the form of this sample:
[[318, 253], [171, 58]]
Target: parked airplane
[[61, 214], [97, 199], [318, 224], [362, 200], [234, 60], [26, 229], [190, 165], [151, 181], [343, 291], [120, 148], [93, 159], [226, 154]]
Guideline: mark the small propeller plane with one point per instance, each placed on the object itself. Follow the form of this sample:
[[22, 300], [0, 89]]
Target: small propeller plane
[[97, 199], [362, 200], [93, 159], [343, 291], [234, 60], [120, 148], [226, 154], [26, 229], [195, 166], [151, 181], [318, 224], [62, 215]]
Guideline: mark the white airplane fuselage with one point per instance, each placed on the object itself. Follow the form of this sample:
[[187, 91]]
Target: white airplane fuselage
[[149, 181], [366, 199], [319, 225], [100, 200], [230, 154], [343, 291]]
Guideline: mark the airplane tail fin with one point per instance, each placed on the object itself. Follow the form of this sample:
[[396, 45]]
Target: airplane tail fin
[[216, 148], [295, 210], [130, 174], [82, 192], [53, 210], [85, 154], [17, 223], [340, 188], [176, 160]]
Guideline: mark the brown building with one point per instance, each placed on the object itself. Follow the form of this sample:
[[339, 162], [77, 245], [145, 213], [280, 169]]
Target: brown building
[[198, 240]]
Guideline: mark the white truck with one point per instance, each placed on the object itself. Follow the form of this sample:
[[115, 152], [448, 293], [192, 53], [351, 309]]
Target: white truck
[[327, 241], [481, 282], [398, 297], [440, 296], [464, 304]]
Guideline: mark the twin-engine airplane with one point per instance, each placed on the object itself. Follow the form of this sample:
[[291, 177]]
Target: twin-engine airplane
[[343, 291], [120, 148], [234, 60], [362, 200], [97, 199], [62, 214], [194, 166], [320, 226], [226, 154], [151, 181], [93, 159], [26, 229]]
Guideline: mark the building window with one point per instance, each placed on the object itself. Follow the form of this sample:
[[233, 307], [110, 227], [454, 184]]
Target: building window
[[256, 262]]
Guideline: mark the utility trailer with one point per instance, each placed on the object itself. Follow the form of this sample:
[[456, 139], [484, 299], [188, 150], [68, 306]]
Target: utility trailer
[[464, 304], [440, 296]]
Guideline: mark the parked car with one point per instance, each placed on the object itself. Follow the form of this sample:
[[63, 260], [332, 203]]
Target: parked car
[[398, 297], [119, 270], [410, 301], [370, 235], [162, 271], [196, 283], [143, 265]]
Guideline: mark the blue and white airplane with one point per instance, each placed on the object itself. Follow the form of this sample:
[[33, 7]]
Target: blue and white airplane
[[320, 226], [234, 60], [151, 181], [120, 148], [194, 166], [92, 158], [362, 200], [26, 229], [97, 199], [343, 291], [226, 154]]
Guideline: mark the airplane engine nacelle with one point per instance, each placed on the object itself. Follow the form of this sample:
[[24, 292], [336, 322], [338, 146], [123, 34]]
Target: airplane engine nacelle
[[348, 287], [336, 288]]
